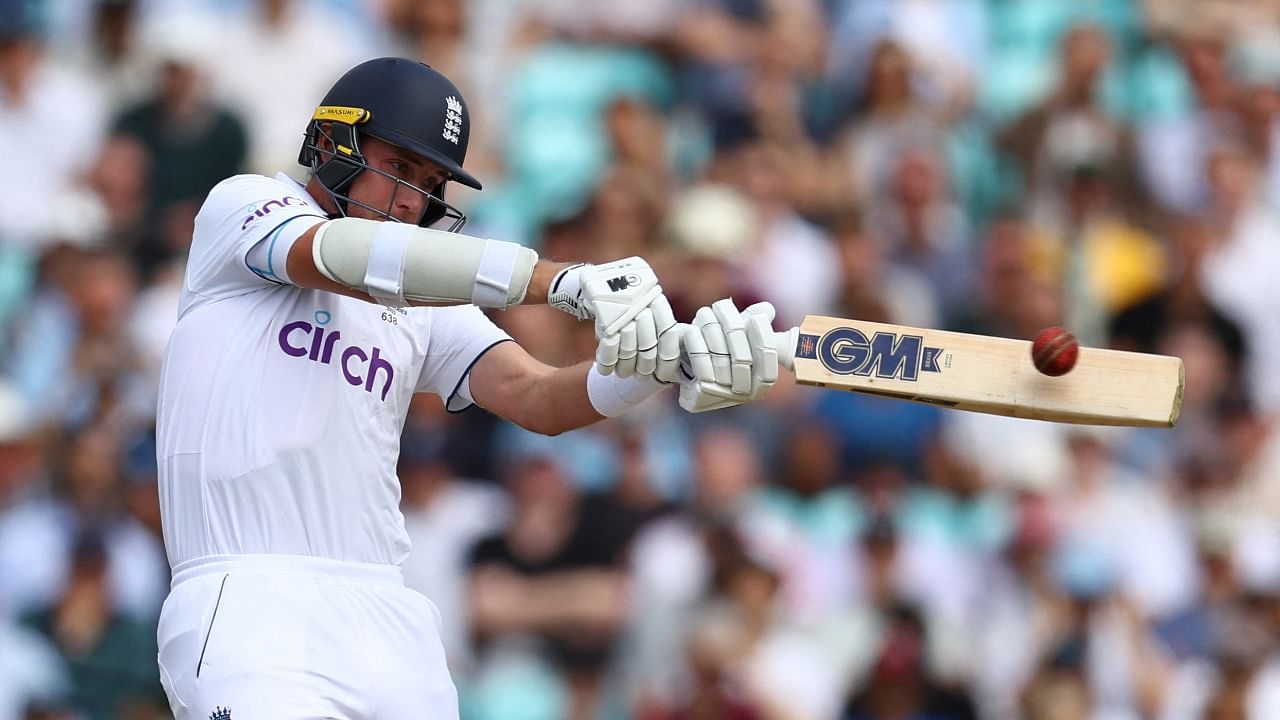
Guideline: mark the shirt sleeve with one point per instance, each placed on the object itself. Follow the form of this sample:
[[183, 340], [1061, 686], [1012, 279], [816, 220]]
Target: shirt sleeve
[[240, 213], [459, 337]]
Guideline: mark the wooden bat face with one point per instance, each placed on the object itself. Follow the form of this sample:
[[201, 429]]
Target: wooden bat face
[[987, 374]]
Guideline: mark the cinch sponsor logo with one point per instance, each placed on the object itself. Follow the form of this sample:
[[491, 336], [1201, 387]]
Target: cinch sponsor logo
[[359, 367], [259, 211], [847, 351]]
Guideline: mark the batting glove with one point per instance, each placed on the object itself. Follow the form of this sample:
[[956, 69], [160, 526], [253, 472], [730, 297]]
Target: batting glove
[[635, 328], [730, 357]]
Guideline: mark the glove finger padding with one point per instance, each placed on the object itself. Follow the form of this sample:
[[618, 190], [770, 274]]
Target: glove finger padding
[[696, 397], [763, 309], [706, 322], [668, 340], [626, 351], [607, 354], [646, 343], [763, 342], [734, 327], [695, 345]]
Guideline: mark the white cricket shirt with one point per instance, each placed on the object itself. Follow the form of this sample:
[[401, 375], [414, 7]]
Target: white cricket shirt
[[281, 408]]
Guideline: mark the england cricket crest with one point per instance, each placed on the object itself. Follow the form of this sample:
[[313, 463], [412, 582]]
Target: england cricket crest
[[452, 119], [220, 713]]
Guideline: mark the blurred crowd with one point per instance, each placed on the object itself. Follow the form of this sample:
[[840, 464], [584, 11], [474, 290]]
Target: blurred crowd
[[991, 166]]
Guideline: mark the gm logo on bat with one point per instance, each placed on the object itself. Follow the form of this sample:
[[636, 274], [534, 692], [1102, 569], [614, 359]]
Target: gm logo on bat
[[848, 351]]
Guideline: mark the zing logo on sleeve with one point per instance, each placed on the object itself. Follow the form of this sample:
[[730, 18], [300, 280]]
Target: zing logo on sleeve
[[848, 351]]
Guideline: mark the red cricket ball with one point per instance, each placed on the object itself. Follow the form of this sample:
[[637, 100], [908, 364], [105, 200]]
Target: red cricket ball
[[1054, 351]]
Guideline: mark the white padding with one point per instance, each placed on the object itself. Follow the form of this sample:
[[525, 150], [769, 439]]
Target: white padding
[[612, 396], [384, 277], [493, 277], [402, 264]]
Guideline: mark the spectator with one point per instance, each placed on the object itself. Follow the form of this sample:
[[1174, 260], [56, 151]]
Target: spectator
[[1015, 293], [35, 92], [269, 39], [714, 692], [1174, 151], [115, 53], [711, 228], [676, 561], [545, 577], [192, 143], [72, 357], [1100, 260], [790, 247], [900, 684], [1070, 130], [892, 120], [1242, 224], [1142, 325], [31, 673], [923, 230], [448, 514], [987, 167], [21, 461], [780, 669], [87, 483], [110, 656]]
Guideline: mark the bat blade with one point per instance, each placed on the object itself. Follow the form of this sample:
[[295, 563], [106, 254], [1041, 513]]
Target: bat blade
[[985, 374]]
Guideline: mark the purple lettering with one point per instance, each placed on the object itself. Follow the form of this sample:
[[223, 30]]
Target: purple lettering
[[328, 346], [316, 338], [323, 344], [289, 348], [347, 354], [375, 364]]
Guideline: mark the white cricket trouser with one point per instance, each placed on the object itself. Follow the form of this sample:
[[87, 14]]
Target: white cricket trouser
[[282, 637]]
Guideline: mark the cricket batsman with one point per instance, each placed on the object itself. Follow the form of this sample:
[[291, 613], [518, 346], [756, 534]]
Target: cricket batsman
[[310, 315]]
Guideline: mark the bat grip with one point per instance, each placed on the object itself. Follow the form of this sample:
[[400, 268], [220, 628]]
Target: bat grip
[[785, 342]]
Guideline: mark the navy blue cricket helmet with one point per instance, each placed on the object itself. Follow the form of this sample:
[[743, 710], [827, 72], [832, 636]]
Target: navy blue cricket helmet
[[403, 102]]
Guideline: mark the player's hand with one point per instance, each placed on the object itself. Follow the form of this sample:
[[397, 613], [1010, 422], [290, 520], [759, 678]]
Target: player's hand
[[636, 330], [730, 357]]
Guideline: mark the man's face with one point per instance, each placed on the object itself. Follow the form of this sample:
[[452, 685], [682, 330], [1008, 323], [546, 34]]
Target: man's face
[[380, 192]]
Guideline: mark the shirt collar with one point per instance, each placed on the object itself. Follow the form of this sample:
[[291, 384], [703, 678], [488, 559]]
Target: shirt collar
[[302, 189]]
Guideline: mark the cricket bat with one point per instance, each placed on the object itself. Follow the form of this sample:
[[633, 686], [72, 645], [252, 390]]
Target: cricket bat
[[983, 374]]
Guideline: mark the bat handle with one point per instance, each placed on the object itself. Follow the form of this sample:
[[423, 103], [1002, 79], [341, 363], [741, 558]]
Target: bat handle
[[786, 341]]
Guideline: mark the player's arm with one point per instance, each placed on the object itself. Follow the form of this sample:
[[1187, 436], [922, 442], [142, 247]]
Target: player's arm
[[514, 385], [398, 264], [730, 358], [304, 273]]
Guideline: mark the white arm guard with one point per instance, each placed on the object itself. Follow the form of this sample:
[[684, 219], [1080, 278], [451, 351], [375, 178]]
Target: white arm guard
[[400, 264]]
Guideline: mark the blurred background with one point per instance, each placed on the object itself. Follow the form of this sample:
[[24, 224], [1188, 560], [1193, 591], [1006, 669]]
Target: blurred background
[[990, 166]]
